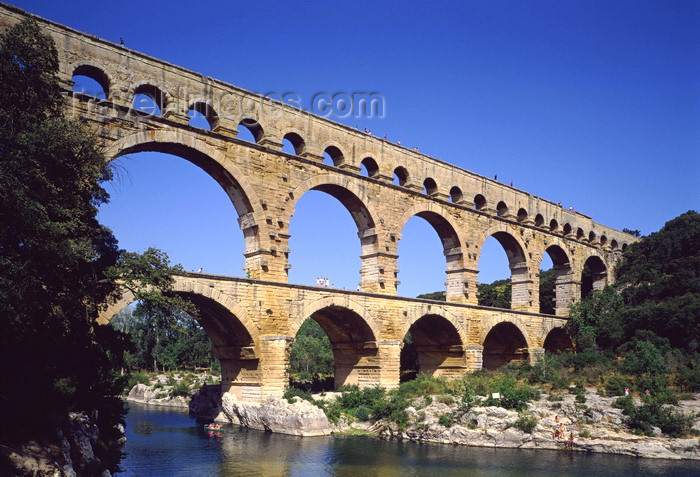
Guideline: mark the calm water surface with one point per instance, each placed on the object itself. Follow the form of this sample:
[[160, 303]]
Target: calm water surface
[[164, 442]]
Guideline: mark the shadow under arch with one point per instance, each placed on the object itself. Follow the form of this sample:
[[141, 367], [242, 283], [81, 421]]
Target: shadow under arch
[[438, 345], [353, 338], [593, 276], [504, 342], [234, 336], [558, 340]]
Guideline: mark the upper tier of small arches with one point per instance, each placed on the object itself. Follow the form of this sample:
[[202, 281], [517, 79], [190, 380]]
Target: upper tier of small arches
[[342, 147]]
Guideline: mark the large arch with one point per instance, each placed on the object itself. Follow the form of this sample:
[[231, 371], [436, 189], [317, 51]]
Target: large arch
[[514, 248], [353, 337], [354, 199], [565, 286], [439, 345], [234, 335], [594, 275], [557, 340], [450, 241], [188, 146], [505, 342]]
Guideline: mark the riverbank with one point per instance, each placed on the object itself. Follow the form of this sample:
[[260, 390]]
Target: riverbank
[[596, 425]]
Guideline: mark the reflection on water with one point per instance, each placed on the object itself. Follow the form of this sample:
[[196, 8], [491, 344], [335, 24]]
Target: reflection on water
[[164, 442]]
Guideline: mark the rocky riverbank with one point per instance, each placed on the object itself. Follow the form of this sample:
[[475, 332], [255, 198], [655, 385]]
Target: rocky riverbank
[[71, 454], [595, 424]]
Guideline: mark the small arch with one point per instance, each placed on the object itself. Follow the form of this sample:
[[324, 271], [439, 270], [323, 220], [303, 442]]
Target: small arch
[[455, 194], [557, 340], [400, 176], [293, 143], [252, 127], [579, 233], [504, 343], [613, 244], [567, 228], [603, 240], [370, 166], [430, 186], [91, 80], [203, 115], [624, 247], [522, 215], [553, 225], [539, 220], [501, 209], [334, 156], [591, 236], [149, 100], [479, 202]]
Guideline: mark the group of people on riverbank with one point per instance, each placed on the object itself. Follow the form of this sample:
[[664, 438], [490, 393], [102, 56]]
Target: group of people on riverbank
[[560, 434]]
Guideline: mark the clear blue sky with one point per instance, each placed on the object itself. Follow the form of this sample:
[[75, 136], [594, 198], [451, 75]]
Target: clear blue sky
[[594, 104]]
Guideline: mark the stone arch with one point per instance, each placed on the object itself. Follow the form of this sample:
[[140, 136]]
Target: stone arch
[[337, 302], [522, 215], [479, 202], [504, 342], [356, 202], [438, 343], [336, 155], [430, 186], [371, 166], [594, 275], [401, 175], [96, 73], [353, 198], [514, 248], [251, 124], [160, 97], [189, 147], [557, 339], [207, 111], [456, 195], [296, 141], [236, 329], [448, 234], [539, 220], [352, 335], [565, 286], [502, 209]]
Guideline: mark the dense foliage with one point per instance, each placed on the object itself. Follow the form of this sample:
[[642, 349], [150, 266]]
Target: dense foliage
[[650, 316], [311, 354], [53, 251], [59, 264]]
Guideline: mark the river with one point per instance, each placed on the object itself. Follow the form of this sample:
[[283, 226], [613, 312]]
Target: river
[[167, 442]]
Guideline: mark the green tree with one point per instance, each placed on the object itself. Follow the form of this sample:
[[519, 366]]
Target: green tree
[[53, 252], [595, 320], [547, 291], [496, 294], [311, 352], [659, 279]]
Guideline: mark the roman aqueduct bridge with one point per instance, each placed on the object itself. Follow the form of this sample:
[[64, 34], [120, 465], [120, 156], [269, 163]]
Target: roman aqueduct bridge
[[252, 321]]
